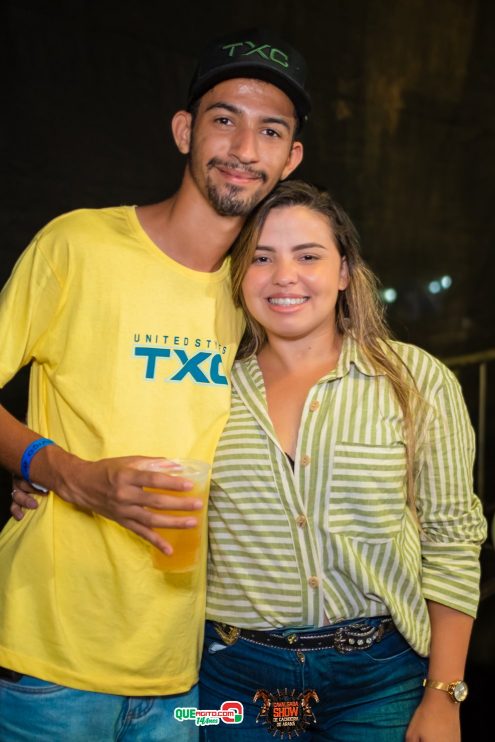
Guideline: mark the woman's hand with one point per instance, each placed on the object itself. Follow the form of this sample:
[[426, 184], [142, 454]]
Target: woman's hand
[[436, 719]]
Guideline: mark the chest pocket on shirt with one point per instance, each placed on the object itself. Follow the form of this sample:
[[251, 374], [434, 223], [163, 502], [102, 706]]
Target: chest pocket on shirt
[[368, 491]]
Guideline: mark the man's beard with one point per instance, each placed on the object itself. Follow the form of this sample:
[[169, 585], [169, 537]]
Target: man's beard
[[229, 200]]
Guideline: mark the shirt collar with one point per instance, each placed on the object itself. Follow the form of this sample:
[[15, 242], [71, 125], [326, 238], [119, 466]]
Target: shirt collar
[[351, 355]]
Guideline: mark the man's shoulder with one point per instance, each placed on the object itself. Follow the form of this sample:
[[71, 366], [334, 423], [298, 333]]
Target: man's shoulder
[[86, 221]]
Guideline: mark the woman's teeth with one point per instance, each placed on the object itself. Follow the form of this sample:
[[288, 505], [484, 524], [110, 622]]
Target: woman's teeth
[[288, 301]]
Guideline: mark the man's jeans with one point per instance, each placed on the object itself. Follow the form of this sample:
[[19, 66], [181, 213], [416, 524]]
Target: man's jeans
[[32, 709], [364, 696]]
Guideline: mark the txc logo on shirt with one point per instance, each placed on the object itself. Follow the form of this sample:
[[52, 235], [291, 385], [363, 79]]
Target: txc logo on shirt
[[180, 358]]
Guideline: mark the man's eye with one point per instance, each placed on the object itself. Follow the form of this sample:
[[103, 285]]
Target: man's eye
[[272, 133], [223, 120]]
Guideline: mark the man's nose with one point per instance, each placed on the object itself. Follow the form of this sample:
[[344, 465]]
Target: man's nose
[[244, 145]]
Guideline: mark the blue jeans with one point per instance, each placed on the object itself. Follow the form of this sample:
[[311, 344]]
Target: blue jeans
[[32, 709], [366, 695]]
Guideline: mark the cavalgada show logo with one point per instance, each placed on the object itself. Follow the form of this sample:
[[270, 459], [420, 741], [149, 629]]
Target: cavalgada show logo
[[286, 714]]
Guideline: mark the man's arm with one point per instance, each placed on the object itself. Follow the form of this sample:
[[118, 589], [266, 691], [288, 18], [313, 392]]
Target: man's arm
[[111, 487]]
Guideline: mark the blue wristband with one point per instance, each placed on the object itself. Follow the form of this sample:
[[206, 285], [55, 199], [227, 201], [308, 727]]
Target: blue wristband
[[28, 456]]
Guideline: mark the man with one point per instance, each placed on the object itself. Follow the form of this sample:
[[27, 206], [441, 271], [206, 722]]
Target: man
[[127, 316]]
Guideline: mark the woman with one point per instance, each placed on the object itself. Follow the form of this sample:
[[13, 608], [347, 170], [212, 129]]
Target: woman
[[344, 534]]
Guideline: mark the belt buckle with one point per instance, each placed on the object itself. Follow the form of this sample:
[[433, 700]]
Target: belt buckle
[[228, 634], [355, 637]]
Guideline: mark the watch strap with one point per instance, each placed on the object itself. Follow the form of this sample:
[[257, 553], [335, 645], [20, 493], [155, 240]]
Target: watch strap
[[437, 684]]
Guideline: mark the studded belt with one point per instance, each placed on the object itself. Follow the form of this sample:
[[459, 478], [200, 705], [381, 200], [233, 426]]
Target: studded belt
[[349, 638]]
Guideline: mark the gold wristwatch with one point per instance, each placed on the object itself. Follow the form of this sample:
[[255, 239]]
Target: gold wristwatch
[[457, 689]]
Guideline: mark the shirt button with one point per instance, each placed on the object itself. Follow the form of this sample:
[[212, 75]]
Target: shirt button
[[301, 521], [315, 405], [305, 460], [314, 582]]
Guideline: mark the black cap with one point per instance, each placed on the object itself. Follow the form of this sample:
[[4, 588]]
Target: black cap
[[257, 53]]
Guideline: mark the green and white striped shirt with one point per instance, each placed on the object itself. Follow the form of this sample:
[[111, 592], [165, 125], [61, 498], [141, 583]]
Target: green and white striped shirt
[[334, 537]]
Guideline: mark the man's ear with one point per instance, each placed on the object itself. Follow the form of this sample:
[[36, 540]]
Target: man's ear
[[294, 159], [181, 130]]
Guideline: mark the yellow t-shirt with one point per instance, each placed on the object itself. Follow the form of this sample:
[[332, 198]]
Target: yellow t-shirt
[[131, 355]]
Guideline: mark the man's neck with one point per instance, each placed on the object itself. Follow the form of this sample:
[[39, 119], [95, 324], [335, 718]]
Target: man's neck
[[187, 229]]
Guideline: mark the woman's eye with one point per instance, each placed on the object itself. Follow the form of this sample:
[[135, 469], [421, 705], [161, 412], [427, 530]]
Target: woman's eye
[[259, 259]]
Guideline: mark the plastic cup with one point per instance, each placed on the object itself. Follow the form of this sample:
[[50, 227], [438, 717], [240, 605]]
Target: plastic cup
[[186, 542]]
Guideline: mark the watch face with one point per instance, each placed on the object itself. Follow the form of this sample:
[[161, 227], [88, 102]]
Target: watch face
[[460, 691]]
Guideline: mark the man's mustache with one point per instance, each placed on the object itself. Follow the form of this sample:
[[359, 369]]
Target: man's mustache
[[217, 162]]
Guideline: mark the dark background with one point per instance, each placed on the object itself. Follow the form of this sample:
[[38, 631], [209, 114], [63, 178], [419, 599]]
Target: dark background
[[402, 133]]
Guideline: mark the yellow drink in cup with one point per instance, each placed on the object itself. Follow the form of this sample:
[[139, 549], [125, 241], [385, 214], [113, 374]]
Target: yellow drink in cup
[[186, 542]]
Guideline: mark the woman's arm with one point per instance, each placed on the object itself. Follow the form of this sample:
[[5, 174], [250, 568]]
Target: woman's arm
[[453, 529], [437, 716]]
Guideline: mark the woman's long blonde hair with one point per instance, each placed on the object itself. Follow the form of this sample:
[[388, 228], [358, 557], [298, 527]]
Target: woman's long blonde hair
[[359, 312]]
